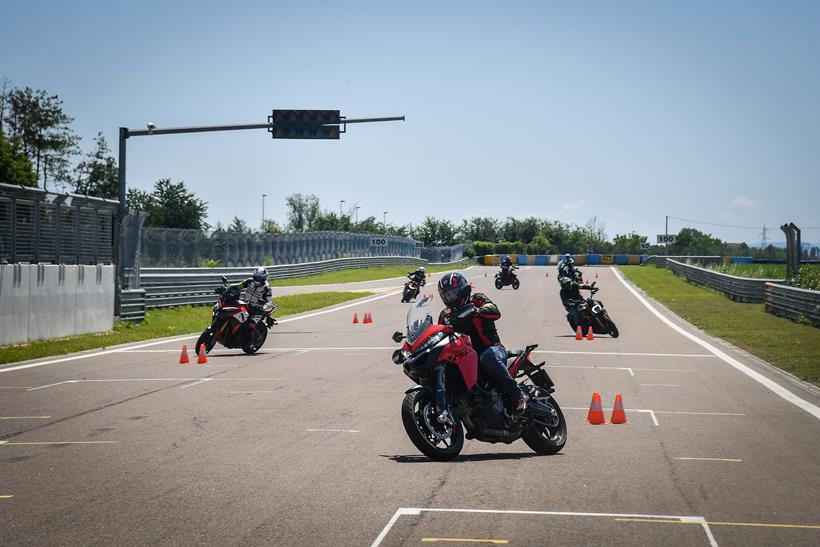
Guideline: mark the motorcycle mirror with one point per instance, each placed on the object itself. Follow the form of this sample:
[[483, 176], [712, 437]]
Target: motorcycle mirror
[[398, 337], [398, 358], [224, 279]]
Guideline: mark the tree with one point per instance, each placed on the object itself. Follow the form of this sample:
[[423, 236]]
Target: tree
[[539, 245], [239, 226], [628, 244], [694, 242], [270, 227], [480, 229], [302, 211], [38, 121], [369, 226], [433, 232], [330, 221], [97, 174], [521, 230], [169, 206], [15, 168]]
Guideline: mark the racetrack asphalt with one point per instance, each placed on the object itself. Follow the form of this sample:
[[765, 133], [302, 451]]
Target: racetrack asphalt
[[302, 444]]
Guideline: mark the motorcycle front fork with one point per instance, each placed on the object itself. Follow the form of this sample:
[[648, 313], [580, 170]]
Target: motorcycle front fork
[[443, 415]]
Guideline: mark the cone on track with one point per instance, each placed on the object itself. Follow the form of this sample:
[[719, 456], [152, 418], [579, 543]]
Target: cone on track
[[586, 281], [578, 334], [355, 317], [547, 274], [589, 333], [368, 318], [183, 358], [596, 412], [202, 357], [596, 275], [618, 414]]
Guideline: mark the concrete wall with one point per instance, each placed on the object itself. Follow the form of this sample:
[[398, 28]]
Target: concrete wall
[[40, 301]]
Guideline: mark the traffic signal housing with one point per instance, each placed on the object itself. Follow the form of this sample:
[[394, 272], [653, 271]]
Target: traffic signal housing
[[304, 124]]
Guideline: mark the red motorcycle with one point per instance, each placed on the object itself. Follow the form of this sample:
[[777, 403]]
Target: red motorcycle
[[452, 394], [231, 322]]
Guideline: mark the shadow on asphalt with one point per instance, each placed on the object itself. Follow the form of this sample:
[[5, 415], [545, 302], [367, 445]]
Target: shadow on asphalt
[[403, 458]]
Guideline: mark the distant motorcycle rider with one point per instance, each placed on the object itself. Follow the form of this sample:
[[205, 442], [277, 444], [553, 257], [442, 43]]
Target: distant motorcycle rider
[[507, 267], [571, 283], [418, 276], [259, 297], [476, 316]]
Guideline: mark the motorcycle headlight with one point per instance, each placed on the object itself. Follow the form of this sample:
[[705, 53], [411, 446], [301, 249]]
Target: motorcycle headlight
[[596, 309], [432, 341]]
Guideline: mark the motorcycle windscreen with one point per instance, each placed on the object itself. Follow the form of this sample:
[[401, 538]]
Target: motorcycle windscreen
[[419, 318]]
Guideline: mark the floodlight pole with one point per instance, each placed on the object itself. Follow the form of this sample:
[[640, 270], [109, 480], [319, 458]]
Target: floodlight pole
[[126, 133]]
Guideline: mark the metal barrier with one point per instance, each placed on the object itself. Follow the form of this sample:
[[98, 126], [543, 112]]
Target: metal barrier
[[660, 260], [801, 305], [165, 287], [742, 289]]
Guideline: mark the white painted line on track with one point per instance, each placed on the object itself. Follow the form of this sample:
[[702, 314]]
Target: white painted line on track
[[631, 373], [653, 413], [661, 385], [776, 388], [624, 353], [24, 417], [415, 511], [200, 381], [155, 380]]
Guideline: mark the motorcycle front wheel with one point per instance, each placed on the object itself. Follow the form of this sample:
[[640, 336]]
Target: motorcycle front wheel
[[437, 441], [515, 284], [498, 283], [547, 439], [207, 338], [259, 342]]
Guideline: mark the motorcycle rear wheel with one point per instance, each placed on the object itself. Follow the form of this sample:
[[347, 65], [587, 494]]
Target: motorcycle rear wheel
[[417, 415], [546, 440]]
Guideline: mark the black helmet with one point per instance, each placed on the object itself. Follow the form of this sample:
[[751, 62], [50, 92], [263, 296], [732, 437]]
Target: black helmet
[[260, 274], [454, 289], [568, 259]]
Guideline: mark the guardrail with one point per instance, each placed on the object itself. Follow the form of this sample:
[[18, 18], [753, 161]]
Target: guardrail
[[801, 305], [165, 287], [742, 289]]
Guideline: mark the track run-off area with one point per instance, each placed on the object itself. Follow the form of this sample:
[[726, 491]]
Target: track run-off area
[[302, 444]]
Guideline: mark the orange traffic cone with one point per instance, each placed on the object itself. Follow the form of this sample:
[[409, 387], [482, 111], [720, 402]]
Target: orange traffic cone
[[618, 414], [589, 334], [596, 275], [202, 357], [596, 412], [547, 274], [368, 318], [183, 358], [578, 334], [355, 317], [586, 281]]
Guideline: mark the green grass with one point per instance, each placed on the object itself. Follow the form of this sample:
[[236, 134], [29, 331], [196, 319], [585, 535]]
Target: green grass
[[757, 271], [163, 322], [779, 341], [361, 274]]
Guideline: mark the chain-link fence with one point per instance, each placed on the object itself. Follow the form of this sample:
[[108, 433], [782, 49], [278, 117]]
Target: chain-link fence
[[37, 226], [164, 247]]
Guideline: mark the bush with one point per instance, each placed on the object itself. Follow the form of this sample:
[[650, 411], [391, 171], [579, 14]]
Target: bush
[[209, 263], [807, 278]]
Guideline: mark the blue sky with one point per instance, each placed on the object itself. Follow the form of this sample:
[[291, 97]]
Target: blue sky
[[624, 111]]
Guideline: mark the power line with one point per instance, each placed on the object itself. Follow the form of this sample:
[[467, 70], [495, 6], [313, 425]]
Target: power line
[[716, 224]]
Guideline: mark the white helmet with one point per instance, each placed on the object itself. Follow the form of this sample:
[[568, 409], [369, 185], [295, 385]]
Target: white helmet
[[260, 275], [421, 269]]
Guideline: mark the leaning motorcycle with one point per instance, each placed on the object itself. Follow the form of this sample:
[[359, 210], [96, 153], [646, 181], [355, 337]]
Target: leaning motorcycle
[[231, 322], [511, 278], [411, 290], [452, 395], [593, 314]]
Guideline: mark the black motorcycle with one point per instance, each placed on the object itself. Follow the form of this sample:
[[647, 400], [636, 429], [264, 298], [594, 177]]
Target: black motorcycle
[[511, 278], [411, 289], [593, 314], [231, 322]]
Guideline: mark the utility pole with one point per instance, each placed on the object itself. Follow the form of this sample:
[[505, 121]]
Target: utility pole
[[340, 208], [357, 214], [384, 221]]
